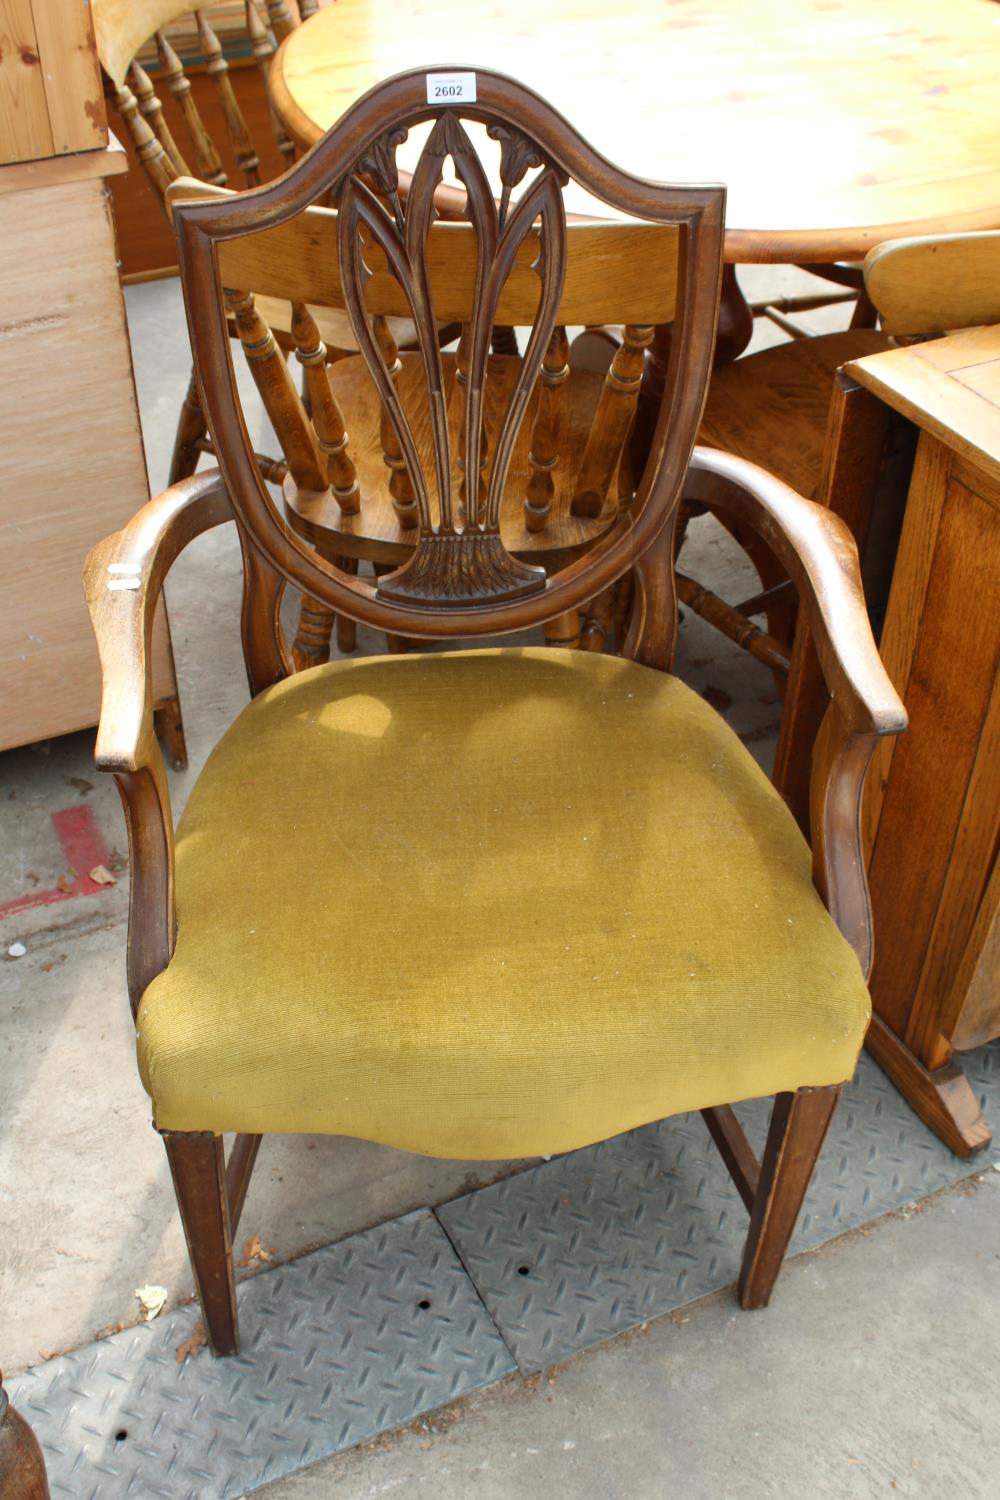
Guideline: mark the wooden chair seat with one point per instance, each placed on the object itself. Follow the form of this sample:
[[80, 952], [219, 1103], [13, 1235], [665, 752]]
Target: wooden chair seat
[[282, 1014], [772, 407], [375, 531]]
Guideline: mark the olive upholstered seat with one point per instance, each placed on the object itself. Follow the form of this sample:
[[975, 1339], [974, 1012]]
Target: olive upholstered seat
[[485, 833]]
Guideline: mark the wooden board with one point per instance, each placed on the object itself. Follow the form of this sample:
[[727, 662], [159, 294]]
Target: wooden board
[[25, 131], [51, 99], [71, 459]]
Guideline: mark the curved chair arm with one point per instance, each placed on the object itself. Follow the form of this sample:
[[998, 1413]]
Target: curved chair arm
[[818, 552], [123, 576]]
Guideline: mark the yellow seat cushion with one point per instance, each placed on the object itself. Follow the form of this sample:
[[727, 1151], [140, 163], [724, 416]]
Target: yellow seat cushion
[[489, 904]]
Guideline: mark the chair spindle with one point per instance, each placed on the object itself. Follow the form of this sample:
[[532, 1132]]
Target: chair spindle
[[281, 19], [327, 417], [154, 160], [151, 109], [207, 159], [612, 421], [277, 390], [263, 51], [218, 70], [544, 453], [404, 501]]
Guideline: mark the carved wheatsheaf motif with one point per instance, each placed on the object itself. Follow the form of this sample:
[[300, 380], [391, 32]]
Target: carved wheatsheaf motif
[[459, 553]]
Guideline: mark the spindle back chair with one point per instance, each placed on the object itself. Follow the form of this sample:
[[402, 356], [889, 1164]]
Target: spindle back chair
[[468, 1014], [124, 28]]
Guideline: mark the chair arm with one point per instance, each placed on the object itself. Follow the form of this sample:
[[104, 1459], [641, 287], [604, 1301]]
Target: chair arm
[[818, 552], [122, 579], [123, 576]]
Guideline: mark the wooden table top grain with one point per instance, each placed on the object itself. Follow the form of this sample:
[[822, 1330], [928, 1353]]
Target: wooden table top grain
[[836, 124]]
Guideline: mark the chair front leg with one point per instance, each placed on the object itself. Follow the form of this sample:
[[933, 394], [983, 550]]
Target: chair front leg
[[198, 1167], [799, 1123]]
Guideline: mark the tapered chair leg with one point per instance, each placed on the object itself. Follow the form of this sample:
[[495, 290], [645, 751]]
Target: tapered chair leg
[[798, 1127], [197, 1165]]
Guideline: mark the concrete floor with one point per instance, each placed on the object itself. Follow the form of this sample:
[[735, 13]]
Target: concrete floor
[[88, 1213]]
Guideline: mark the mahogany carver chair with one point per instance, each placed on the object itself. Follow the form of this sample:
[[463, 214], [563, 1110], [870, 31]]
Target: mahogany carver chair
[[495, 1001]]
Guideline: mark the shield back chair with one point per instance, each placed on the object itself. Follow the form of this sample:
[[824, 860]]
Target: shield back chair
[[348, 491], [494, 1001]]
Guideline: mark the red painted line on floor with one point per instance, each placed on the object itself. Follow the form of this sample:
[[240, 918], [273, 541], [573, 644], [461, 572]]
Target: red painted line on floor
[[83, 847]]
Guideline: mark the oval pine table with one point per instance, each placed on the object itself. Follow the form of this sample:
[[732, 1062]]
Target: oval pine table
[[835, 124]]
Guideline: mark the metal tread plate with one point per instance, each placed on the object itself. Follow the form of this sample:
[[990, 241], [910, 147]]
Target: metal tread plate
[[347, 1342], [588, 1245], [339, 1346]]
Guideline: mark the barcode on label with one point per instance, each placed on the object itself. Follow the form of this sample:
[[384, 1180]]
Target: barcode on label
[[451, 88]]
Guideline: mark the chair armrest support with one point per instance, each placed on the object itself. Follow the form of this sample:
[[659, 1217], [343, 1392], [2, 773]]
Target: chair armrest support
[[122, 579], [123, 576], [818, 552]]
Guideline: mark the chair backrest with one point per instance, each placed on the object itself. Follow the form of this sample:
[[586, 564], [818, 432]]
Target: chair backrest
[[517, 262], [123, 28], [624, 273], [936, 284]]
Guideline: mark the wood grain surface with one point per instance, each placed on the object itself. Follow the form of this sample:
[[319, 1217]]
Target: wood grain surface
[[836, 124]]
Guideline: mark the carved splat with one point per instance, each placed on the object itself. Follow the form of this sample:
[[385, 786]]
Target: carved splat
[[459, 554]]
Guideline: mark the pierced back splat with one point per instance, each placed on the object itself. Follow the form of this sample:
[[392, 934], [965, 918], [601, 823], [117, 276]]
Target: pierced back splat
[[455, 559]]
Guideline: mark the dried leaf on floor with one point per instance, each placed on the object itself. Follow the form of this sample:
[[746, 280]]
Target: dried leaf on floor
[[101, 875], [191, 1346], [253, 1251], [64, 884], [152, 1300]]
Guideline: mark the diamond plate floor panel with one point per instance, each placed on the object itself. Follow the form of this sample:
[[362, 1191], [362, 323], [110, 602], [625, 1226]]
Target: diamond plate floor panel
[[345, 1343], [365, 1335], [590, 1244]]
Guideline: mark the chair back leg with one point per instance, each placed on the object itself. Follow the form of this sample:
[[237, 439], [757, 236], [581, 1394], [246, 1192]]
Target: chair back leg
[[795, 1136], [198, 1167], [191, 429]]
